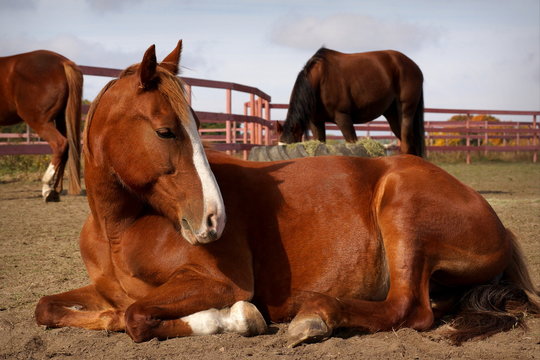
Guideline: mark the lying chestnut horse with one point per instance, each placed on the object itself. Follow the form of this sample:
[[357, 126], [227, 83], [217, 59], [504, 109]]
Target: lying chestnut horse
[[348, 89], [44, 89], [328, 242]]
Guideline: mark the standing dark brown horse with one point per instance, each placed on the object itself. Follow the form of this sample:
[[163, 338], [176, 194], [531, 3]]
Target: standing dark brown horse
[[328, 242], [348, 89], [44, 90]]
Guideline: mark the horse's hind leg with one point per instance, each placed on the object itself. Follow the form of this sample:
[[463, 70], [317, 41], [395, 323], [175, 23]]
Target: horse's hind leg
[[84, 308], [52, 179], [345, 124], [407, 303], [408, 141]]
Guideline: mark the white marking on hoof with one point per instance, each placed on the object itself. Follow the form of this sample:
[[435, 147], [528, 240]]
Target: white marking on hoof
[[205, 322], [245, 319], [242, 318], [48, 180]]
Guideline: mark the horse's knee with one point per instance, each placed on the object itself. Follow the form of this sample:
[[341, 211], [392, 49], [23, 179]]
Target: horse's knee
[[139, 323], [45, 312]]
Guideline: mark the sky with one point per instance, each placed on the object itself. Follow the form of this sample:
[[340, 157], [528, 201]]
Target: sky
[[475, 54]]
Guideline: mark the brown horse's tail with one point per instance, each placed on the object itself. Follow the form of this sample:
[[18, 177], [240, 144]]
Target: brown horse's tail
[[73, 124], [418, 128], [489, 309]]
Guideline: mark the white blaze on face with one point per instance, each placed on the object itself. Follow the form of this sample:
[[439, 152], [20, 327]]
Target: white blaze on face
[[213, 201]]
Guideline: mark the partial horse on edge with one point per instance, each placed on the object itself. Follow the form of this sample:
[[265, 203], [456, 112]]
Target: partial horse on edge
[[348, 89], [328, 242], [44, 89]]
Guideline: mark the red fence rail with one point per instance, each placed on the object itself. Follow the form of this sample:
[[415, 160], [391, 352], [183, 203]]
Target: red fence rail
[[240, 132], [466, 136]]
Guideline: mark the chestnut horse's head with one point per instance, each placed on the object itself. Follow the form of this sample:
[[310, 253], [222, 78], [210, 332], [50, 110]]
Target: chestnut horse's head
[[142, 133]]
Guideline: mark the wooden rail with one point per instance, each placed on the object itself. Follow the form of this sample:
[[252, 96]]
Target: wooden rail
[[240, 132], [464, 136]]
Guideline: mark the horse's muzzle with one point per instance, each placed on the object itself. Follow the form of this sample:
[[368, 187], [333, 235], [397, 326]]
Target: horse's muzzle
[[208, 232]]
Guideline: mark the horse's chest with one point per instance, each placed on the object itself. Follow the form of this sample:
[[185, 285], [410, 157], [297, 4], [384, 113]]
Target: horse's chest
[[138, 268]]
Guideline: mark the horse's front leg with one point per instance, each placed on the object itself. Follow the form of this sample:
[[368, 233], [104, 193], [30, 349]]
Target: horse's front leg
[[318, 130], [84, 308], [191, 304]]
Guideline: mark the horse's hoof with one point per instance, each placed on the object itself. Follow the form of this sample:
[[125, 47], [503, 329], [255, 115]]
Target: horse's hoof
[[51, 196], [245, 319], [307, 329]]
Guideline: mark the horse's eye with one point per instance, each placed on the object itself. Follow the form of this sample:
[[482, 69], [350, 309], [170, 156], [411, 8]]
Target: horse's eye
[[165, 133]]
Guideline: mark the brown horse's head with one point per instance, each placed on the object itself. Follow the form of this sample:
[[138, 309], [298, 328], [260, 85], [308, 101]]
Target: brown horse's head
[[142, 133]]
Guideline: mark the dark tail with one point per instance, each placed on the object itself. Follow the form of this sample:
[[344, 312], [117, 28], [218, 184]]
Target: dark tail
[[490, 309], [418, 128], [73, 124]]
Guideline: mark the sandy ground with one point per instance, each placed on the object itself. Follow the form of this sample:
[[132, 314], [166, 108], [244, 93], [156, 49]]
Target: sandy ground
[[39, 256]]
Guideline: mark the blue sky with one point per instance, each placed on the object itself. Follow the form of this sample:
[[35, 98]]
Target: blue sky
[[479, 54]]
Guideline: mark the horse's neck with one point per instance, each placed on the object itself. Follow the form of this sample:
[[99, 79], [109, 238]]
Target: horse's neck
[[112, 205]]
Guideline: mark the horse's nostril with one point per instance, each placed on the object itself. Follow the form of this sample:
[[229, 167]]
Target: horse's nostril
[[211, 221], [185, 224]]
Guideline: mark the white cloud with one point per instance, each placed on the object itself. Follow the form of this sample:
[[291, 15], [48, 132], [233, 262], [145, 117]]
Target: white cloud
[[351, 32]]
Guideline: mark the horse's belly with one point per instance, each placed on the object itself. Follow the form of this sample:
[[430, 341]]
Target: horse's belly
[[349, 263], [355, 269]]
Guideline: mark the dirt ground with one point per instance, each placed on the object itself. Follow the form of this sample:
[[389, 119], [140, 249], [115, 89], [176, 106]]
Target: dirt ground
[[39, 256]]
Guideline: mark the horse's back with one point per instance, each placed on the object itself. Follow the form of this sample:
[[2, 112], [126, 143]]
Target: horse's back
[[31, 81], [365, 85]]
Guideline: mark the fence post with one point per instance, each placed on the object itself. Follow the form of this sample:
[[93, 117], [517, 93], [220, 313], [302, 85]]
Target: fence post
[[245, 135], [27, 134], [468, 140], [268, 131], [486, 137], [253, 113], [535, 139], [228, 110]]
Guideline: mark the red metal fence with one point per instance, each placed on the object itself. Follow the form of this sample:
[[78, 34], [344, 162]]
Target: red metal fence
[[240, 132], [466, 136]]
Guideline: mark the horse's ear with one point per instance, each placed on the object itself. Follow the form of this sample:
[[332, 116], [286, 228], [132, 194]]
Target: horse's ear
[[172, 60], [279, 128], [147, 68]]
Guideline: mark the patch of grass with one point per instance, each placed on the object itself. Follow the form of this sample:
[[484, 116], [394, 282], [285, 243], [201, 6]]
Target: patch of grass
[[493, 176], [476, 156], [373, 148], [23, 167]]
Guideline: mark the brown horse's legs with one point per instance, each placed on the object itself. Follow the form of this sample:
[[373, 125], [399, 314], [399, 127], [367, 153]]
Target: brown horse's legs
[[406, 305], [345, 124], [52, 179], [392, 115], [84, 308], [408, 111], [186, 306], [318, 130]]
